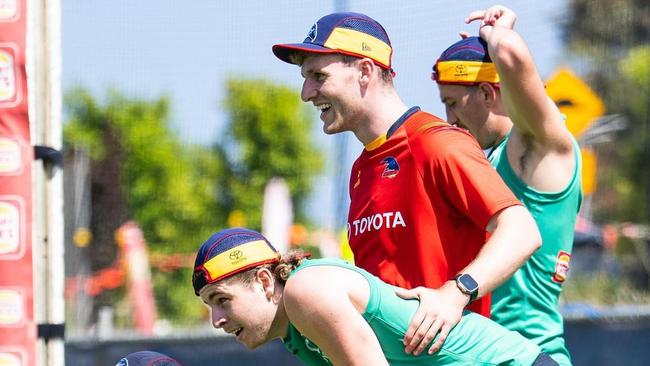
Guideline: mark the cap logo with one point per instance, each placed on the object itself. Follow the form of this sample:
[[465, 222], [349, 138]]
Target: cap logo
[[236, 256], [123, 362], [313, 32], [365, 47], [461, 70]]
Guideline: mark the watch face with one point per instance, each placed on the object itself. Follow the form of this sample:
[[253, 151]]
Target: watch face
[[468, 282]]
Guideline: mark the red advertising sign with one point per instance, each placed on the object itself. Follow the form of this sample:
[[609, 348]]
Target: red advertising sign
[[17, 328]]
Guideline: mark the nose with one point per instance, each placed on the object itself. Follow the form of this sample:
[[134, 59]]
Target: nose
[[451, 116], [308, 91], [218, 317]]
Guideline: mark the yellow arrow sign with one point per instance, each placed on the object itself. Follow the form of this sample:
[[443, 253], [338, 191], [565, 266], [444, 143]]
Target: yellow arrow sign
[[589, 162], [575, 99]]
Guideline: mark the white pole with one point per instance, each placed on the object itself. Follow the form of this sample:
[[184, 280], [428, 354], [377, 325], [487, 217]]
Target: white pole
[[55, 222], [44, 75]]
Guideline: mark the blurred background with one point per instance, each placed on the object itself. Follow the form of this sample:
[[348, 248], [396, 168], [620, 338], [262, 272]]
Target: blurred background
[[178, 121]]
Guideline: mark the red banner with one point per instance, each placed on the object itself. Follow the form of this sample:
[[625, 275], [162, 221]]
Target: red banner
[[136, 259], [17, 328]]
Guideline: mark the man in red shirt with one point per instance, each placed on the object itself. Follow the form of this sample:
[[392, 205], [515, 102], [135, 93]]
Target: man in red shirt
[[423, 196]]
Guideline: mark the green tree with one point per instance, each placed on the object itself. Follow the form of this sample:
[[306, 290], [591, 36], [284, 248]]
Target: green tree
[[140, 171], [180, 194], [635, 151], [604, 32], [268, 135]]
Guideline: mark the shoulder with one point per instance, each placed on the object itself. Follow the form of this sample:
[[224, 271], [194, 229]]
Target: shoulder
[[309, 282], [425, 128], [313, 294], [551, 138], [437, 141]]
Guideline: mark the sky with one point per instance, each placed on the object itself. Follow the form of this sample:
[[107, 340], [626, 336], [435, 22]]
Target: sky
[[187, 49]]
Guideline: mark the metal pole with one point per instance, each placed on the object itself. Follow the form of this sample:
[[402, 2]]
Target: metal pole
[[44, 75], [55, 223]]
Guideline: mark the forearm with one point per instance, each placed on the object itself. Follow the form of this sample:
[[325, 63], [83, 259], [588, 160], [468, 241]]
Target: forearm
[[522, 89], [514, 239]]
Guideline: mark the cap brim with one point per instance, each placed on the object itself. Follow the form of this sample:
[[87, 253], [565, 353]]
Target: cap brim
[[284, 51]]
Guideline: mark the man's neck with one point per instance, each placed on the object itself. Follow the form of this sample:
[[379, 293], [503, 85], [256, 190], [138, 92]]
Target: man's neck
[[501, 127], [380, 116], [280, 323]]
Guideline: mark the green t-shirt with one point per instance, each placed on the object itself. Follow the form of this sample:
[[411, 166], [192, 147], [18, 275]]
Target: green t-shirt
[[528, 302], [475, 340]]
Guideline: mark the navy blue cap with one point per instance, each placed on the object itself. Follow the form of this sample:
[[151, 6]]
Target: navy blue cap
[[346, 33], [465, 62], [147, 358]]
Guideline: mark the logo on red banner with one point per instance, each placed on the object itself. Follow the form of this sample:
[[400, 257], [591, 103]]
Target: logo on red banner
[[8, 11], [9, 357], [10, 229], [12, 306], [9, 96], [10, 159]]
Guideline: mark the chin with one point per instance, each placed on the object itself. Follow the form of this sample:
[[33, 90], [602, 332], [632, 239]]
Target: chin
[[330, 131], [333, 128], [252, 345]]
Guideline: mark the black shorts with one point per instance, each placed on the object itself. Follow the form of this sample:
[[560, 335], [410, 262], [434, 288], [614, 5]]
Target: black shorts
[[544, 360]]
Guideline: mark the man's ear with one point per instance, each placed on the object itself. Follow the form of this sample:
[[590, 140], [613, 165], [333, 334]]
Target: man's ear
[[488, 93], [366, 70], [266, 278]]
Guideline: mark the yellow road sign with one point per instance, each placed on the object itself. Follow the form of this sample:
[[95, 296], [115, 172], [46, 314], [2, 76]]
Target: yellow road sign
[[575, 99], [589, 163]]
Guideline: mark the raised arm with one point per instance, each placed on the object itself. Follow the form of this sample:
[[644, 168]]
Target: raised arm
[[318, 303], [539, 127]]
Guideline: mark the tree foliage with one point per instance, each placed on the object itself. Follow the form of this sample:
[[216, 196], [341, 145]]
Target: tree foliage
[[179, 194], [268, 135], [613, 36], [141, 172], [613, 26]]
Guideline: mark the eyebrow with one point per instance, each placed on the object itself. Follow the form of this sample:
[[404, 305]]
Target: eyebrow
[[212, 295]]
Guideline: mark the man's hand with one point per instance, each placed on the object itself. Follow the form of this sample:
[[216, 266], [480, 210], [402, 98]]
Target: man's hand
[[439, 311], [496, 16]]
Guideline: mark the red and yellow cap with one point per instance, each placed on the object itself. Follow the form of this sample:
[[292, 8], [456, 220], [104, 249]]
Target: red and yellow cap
[[346, 33], [229, 252], [466, 62]]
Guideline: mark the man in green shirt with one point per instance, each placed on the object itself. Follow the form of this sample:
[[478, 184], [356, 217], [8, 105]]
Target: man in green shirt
[[490, 86], [328, 312]]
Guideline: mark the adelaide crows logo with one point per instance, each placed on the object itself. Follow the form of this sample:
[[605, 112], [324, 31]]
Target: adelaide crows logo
[[313, 32], [391, 167]]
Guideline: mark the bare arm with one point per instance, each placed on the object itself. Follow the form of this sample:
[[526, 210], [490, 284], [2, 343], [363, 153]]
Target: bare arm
[[522, 89], [514, 239], [541, 149], [318, 303]]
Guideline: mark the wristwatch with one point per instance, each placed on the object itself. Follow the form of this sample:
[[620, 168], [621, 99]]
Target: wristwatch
[[467, 285]]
